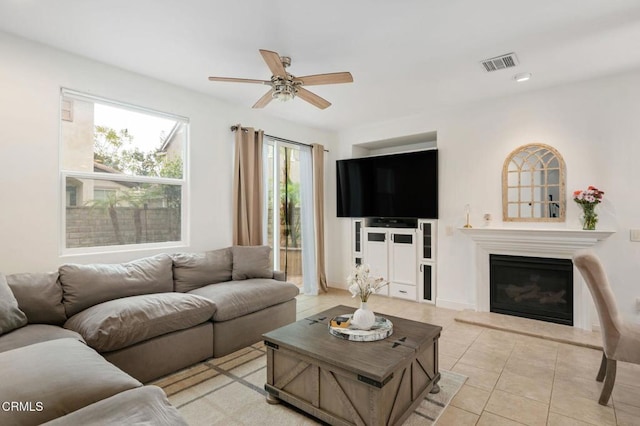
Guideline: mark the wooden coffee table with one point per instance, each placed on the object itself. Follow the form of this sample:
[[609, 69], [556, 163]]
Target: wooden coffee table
[[343, 382]]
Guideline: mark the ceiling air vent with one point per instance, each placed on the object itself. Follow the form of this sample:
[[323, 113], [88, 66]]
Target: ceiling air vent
[[500, 62]]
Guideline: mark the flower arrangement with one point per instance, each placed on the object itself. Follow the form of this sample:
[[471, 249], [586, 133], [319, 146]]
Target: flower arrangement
[[363, 285], [588, 200]]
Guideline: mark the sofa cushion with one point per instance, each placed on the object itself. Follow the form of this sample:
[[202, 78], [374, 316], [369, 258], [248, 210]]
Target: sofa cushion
[[88, 285], [61, 375], [147, 405], [237, 298], [119, 323], [11, 317], [251, 262], [195, 270], [35, 333], [39, 296]]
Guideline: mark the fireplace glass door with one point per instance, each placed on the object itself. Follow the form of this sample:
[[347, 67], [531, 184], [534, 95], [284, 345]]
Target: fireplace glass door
[[532, 287]]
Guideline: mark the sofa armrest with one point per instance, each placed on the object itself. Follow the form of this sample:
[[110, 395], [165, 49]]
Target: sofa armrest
[[279, 276]]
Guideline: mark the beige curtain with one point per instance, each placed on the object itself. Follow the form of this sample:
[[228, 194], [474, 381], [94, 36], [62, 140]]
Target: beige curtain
[[317, 155], [247, 187]]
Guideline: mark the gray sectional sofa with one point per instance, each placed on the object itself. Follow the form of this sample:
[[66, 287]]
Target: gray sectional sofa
[[147, 318]]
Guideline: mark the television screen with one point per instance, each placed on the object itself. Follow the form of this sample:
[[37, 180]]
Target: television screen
[[395, 186]]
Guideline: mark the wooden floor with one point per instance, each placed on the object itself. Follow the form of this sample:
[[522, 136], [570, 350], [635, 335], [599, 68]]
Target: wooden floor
[[514, 379]]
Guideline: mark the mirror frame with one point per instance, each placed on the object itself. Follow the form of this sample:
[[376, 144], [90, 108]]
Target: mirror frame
[[528, 150]]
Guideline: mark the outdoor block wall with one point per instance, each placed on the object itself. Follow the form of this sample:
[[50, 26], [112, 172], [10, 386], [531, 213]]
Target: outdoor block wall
[[90, 227]]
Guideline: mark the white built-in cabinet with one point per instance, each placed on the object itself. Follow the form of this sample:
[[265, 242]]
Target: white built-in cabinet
[[403, 256]]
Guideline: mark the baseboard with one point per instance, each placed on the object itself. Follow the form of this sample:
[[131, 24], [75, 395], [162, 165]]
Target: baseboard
[[453, 304], [341, 286]]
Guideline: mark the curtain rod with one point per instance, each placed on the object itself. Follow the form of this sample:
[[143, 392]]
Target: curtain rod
[[234, 128]]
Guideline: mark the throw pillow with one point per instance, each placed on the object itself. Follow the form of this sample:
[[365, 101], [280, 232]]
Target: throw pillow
[[39, 296], [87, 285], [251, 262], [195, 270], [11, 317]]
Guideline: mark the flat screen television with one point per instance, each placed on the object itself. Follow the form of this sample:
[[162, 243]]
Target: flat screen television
[[389, 186]]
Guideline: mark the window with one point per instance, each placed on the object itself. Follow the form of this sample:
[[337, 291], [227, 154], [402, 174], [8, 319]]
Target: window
[[123, 174]]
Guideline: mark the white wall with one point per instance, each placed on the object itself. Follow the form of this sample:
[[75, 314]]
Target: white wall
[[595, 125], [31, 76]]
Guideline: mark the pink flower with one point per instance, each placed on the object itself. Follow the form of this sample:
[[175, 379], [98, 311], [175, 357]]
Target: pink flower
[[590, 196]]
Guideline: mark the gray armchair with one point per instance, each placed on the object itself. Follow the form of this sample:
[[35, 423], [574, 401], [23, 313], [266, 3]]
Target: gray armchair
[[621, 340]]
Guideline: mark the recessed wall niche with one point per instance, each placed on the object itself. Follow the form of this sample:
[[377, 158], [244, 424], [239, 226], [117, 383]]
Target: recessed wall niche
[[416, 142]]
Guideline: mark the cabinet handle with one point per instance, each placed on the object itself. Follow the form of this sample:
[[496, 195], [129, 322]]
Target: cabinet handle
[[403, 291], [421, 268]]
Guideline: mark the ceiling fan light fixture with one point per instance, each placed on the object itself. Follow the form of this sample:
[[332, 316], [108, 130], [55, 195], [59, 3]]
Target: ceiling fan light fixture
[[284, 91], [284, 96]]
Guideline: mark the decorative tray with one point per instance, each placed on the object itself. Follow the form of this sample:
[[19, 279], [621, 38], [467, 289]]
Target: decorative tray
[[341, 326]]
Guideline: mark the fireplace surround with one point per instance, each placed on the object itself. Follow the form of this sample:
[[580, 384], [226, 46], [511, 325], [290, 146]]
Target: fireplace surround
[[560, 243]]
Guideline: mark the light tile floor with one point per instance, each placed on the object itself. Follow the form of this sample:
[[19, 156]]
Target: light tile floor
[[514, 379]]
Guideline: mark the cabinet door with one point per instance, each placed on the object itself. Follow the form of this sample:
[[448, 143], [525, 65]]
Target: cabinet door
[[427, 240], [402, 257], [375, 254], [427, 283], [356, 237], [376, 251]]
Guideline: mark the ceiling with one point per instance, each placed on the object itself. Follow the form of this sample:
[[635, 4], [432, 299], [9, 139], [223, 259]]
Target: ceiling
[[407, 56]]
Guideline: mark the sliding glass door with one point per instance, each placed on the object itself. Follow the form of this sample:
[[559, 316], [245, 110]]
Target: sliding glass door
[[283, 207]]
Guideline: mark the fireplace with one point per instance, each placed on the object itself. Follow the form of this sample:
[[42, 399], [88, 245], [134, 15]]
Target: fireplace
[[532, 287], [533, 242]]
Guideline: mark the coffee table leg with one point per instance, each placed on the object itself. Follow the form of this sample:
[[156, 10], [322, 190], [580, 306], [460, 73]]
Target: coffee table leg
[[272, 399], [436, 386]]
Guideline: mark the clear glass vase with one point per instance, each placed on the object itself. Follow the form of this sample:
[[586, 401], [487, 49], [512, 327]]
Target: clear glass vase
[[589, 217]]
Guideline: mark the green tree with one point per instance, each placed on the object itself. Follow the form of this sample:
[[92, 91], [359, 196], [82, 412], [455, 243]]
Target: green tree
[[115, 149]]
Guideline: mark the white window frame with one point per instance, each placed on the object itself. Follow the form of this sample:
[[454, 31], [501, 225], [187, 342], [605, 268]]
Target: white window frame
[[64, 174]]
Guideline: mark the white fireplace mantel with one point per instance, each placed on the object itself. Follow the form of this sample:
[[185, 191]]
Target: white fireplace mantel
[[551, 243]]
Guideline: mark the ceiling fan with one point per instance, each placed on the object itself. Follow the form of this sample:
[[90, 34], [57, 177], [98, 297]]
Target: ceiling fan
[[285, 86]]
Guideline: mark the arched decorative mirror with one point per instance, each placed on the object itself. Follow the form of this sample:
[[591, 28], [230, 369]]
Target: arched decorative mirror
[[533, 185]]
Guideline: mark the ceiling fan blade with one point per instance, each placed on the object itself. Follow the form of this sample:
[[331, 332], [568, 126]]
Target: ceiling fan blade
[[273, 62], [264, 100], [238, 80], [312, 98], [331, 78]]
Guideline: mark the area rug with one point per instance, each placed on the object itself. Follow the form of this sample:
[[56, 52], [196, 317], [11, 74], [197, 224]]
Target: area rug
[[229, 391]]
